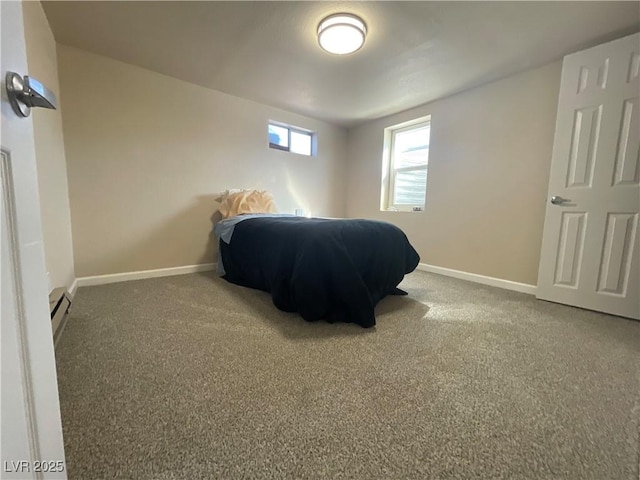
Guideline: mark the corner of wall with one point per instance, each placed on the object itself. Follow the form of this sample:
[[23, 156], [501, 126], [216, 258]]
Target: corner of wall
[[50, 150]]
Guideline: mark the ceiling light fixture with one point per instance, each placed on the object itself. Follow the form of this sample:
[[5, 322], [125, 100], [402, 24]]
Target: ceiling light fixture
[[341, 33]]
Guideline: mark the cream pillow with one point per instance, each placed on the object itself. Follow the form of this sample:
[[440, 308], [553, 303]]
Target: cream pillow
[[234, 202]]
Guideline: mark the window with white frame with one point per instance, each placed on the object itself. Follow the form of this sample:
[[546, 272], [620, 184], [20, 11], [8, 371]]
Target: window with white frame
[[290, 138], [405, 165]]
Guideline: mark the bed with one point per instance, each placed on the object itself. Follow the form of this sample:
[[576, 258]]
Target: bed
[[333, 269]]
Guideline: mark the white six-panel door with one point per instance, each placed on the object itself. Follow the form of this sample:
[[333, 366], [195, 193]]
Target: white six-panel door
[[589, 254]]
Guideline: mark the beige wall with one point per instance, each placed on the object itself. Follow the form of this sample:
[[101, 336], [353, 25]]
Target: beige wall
[[488, 174], [147, 155], [50, 152]]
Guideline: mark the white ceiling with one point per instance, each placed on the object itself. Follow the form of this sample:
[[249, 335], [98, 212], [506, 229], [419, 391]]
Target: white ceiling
[[415, 52]]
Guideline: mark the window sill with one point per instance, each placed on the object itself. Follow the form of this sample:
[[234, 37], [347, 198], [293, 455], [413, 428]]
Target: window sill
[[394, 210]]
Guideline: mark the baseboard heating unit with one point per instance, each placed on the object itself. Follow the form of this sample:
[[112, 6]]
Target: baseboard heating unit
[[59, 305]]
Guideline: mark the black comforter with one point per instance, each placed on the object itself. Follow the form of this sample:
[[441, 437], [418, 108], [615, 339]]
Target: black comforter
[[324, 269]]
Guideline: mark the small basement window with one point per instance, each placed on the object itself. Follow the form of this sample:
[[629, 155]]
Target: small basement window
[[291, 139], [404, 166]]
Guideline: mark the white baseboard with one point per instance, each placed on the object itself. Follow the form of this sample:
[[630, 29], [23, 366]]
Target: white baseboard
[[474, 277], [73, 288], [167, 272], [126, 276]]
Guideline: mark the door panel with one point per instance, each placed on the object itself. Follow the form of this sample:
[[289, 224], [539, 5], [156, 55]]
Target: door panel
[[615, 265], [626, 168], [584, 145], [590, 247], [570, 247]]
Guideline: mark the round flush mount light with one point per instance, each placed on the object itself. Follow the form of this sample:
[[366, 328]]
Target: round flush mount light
[[341, 33]]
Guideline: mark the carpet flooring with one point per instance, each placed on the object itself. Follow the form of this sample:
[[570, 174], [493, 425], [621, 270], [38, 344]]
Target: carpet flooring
[[190, 377]]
